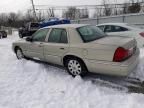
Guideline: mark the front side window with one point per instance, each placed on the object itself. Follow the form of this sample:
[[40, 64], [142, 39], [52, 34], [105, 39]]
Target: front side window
[[90, 33], [40, 35], [58, 36]]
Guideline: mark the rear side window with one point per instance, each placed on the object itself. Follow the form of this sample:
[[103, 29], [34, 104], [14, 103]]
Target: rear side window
[[58, 36], [112, 28], [101, 27], [63, 38]]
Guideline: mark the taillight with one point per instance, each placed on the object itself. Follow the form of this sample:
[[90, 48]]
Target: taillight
[[121, 54], [142, 34]]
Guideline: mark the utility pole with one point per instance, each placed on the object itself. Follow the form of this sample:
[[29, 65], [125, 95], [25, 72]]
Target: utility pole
[[34, 12]]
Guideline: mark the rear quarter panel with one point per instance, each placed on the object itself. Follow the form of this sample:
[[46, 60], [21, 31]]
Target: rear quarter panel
[[89, 50], [93, 51]]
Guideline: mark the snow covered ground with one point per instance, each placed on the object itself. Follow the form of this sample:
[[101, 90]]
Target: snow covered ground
[[28, 84]]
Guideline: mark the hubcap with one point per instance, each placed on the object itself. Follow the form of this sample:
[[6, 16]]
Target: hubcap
[[19, 54], [74, 67]]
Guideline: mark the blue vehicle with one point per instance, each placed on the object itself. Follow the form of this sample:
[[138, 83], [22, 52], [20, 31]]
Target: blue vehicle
[[32, 27], [54, 21]]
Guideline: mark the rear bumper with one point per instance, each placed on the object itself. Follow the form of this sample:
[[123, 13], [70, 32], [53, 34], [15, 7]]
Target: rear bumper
[[113, 68]]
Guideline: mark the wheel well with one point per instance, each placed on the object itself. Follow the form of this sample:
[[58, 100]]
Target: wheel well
[[1, 33], [72, 56], [16, 47]]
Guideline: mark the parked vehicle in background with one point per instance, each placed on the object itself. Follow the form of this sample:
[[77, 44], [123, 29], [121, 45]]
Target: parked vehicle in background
[[80, 48], [28, 29], [3, 34], [32, 27], [54, 21], [124, 29]]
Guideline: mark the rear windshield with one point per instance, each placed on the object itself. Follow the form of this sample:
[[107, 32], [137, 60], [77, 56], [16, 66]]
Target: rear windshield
[[90, 33]]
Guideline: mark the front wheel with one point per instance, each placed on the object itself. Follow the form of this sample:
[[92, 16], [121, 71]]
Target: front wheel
[[19, 53], [75, 67]]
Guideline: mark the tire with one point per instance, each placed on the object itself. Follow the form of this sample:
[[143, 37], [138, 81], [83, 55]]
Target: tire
[[4, 35], [75, 67], [19, 54], [1, 35], [20, 35]]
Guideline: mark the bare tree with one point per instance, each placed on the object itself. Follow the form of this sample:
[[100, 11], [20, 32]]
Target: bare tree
[[134, 8], [40, 16], [84, 13], [125, 8], [3, 19], [12, 18], [71, 13], [115, 8], [50, 12], [74, 13], [29, 16], [107, 7], [98, 12]]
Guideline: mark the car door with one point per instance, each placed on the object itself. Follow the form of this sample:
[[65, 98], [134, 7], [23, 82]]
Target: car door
[[116, 30], [56, 46], [35, 48]]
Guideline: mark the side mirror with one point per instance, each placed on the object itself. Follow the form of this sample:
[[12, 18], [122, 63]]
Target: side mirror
[[29, 39]]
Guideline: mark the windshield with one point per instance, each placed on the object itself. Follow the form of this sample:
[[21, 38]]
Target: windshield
[[90, 33]]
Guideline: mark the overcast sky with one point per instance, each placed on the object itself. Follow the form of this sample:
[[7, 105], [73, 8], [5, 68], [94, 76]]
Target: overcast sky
[[23, 5]]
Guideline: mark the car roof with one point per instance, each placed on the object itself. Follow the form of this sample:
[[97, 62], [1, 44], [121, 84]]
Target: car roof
[[126, 25], [122, 24], [67, 26]]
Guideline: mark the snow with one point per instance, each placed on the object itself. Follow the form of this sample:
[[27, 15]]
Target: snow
[[139, 71], [30, 84]]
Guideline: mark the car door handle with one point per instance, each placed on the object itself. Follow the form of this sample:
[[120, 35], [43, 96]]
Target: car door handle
[[62, 48]]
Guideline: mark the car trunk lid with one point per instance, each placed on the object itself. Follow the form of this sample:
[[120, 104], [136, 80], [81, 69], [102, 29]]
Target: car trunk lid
[[104, 48], [119, 41]]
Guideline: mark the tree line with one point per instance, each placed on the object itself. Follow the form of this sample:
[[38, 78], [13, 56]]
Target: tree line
[[18, 19]]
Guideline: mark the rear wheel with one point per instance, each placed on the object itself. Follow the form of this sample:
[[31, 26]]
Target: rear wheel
[[4, 34], [1, 35], [20, 35], [19, 53], [75, 67]]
